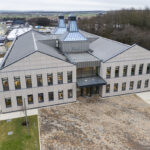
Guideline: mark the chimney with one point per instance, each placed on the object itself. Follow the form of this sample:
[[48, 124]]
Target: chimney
[[61, 23], [72, 23]]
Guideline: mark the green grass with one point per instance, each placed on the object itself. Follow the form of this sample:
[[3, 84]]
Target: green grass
[[19, 140]]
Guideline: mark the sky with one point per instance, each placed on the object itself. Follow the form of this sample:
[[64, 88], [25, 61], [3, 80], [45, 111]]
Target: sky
[[72, 5]]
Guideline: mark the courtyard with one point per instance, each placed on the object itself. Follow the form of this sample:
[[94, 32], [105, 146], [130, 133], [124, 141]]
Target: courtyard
[[116, 123]]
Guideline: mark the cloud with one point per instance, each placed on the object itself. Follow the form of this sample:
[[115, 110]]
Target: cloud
[[65, 5]]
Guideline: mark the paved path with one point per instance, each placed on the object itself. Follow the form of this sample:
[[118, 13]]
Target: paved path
[[19, 114], [145, 96]]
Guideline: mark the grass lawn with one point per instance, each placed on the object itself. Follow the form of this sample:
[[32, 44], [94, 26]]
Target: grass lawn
[[19, 140]]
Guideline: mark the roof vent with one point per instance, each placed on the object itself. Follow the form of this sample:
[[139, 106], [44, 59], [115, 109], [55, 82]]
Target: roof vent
[[61, 22], [72, 25]]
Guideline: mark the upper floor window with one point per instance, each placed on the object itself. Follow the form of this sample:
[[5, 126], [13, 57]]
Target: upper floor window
[[39, 80], [19, 101], [30, 99], [60, 77], [60, 95], [131, 85], [146, 83], [17, 83], [5, 84], [125, 70], [28, 81], [41, 97], [117, 72], [69, 76], [50, 79], [124, 86], [107, 88], [70, 93], [133, 70], [141, 69], [8, 102], [108, 72], [116, 87], [139, 84], [148, 69], [51, 96]]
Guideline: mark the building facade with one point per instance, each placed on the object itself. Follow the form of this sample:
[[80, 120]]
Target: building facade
[[43, 70]]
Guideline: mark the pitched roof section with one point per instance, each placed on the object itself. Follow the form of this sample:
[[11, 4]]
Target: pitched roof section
[[27, 44], [105, 49]]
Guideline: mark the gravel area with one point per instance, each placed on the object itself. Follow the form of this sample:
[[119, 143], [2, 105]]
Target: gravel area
[[116, 123]]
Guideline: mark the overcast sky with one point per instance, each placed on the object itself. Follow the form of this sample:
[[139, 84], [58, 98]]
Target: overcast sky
[[68, 5]]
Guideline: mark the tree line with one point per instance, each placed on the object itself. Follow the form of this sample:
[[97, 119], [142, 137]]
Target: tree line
[[127, 26]]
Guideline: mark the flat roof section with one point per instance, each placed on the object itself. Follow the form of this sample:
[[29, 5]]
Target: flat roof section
[[90, 81]]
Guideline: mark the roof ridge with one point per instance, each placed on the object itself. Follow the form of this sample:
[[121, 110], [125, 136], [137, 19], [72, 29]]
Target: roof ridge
[[34, 41]]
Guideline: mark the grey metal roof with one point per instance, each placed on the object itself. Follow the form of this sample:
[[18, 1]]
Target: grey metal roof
[[27, 44], [59, 30], [105, 49], [90, 81], [81, 57], [73, 36]]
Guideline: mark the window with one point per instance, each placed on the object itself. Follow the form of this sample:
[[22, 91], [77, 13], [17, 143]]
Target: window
[[5, 84], [148, 69], [39, 80], [146, 83], [17, 83], [116, 87], [70, 93], [117, 72], [107, 88], [41, 97], [108, 73], [131, 85], [141, 69], [51, 96], [60, 95], [69, 76], [50, 79], [30, 99], [8, 102], [60, 77], [133, 70], [124, 86], [139, 84], [19, 101], [28, 81], [125, 70], [57, 43]]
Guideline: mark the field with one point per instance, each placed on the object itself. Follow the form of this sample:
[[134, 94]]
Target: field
[[19, 139], [117, 123]]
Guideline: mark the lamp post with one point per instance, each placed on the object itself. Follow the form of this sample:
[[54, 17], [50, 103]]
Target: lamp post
[[26, 117]]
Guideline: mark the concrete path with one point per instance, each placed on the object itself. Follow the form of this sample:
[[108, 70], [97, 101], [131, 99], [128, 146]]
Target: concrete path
[[145, 96], [19, 114]]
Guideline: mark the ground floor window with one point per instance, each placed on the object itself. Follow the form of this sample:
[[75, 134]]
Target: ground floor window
[[30, 99], [131, 85], [51, 96], [146, 83], [107, 88], [139, 84], [19, 101], [60, 95], [41, 97], [116, 87], [8, 102], [70, 93], [124, 86]]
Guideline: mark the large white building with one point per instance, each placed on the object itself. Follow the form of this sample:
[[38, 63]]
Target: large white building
[[54, 69]]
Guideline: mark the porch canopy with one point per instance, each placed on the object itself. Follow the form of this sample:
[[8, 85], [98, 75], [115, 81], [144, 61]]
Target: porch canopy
[[90, 81]]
